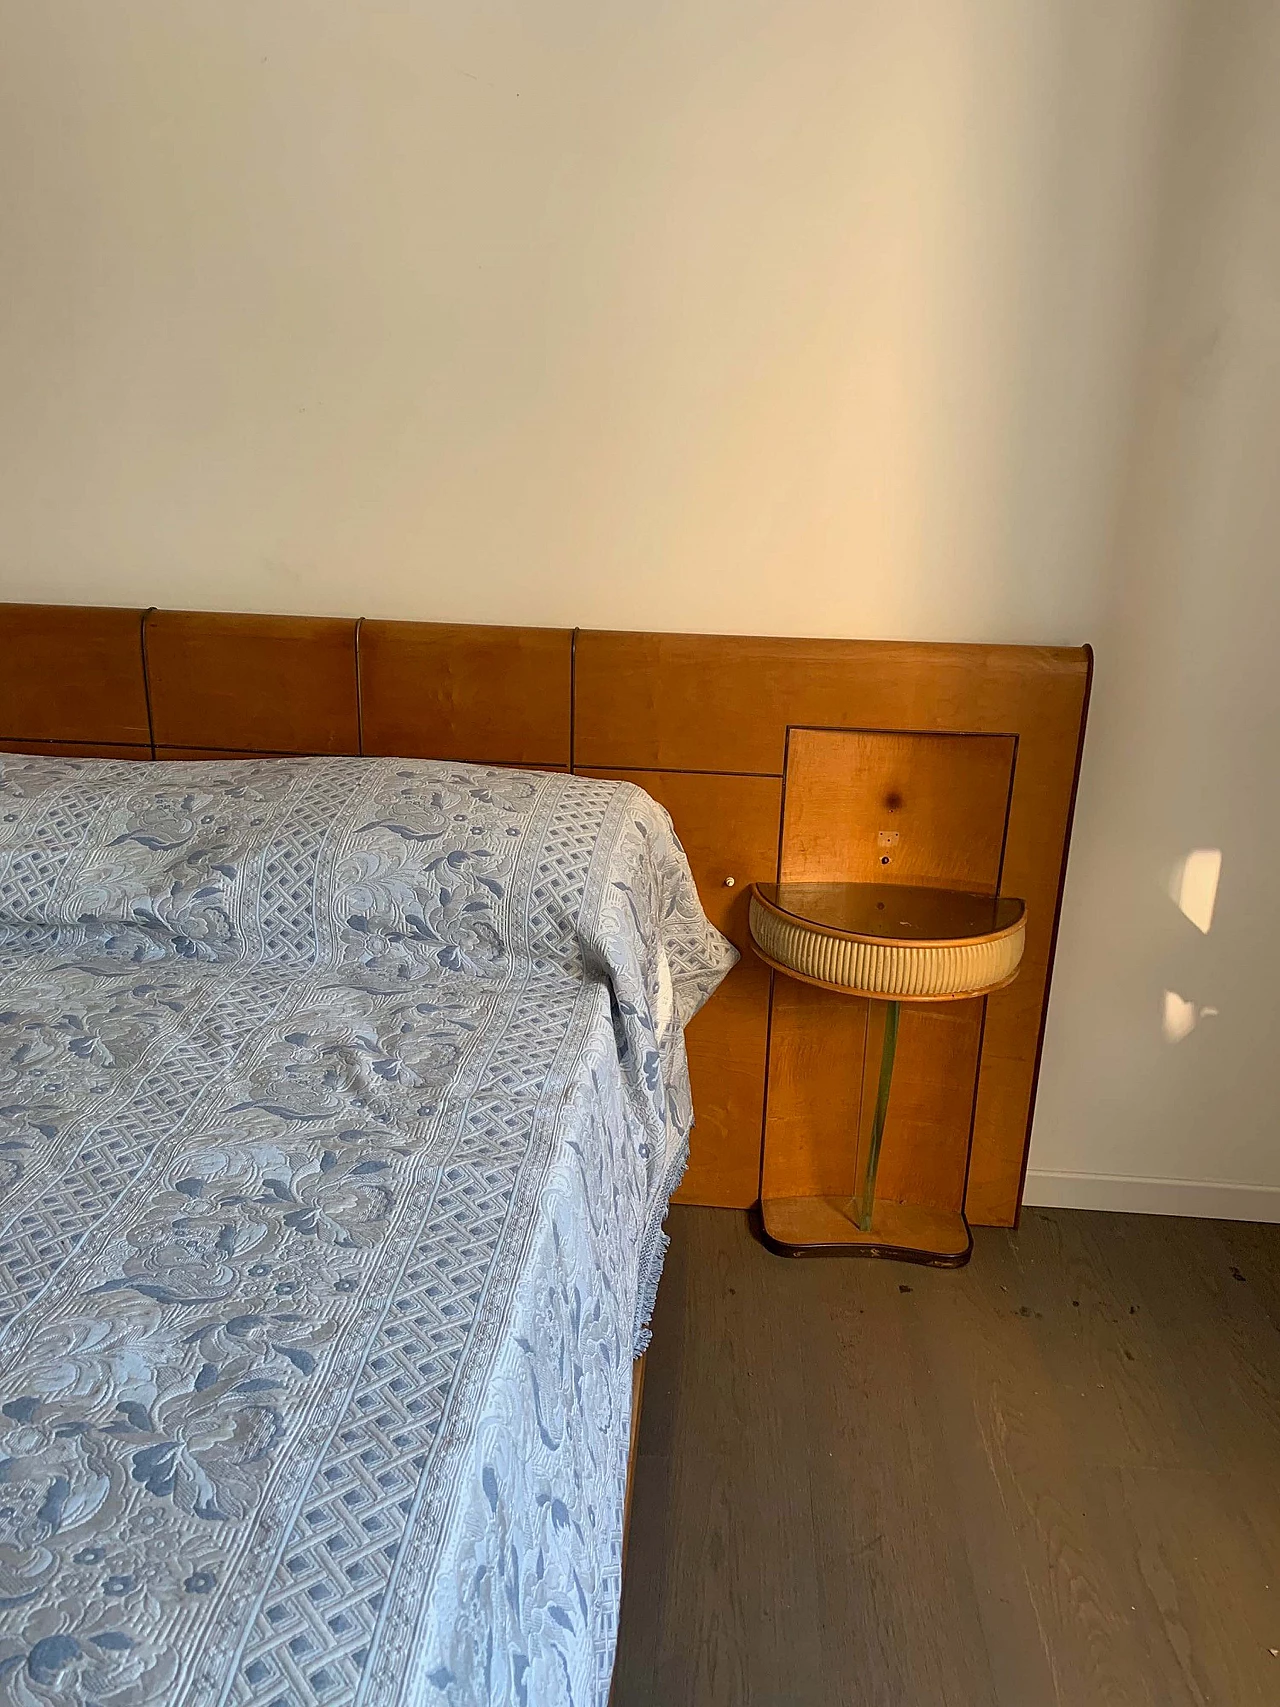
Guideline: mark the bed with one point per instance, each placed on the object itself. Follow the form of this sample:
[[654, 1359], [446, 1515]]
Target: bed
[[340, 1104], [722, 731]]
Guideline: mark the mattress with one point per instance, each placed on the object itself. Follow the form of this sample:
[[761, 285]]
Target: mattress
[[340, 1105]]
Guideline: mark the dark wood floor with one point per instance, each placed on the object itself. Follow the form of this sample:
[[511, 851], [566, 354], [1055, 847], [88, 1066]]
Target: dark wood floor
[[1050, 1478]]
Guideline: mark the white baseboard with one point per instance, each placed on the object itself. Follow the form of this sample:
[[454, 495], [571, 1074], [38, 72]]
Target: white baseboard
[[1215, 1200]]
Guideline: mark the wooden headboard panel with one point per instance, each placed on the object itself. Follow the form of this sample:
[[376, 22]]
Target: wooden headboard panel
[[700, 721], [210, 684], [224, 684], [487, 694], [72, 681]]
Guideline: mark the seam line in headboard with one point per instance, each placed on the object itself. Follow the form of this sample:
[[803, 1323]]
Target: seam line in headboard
[[359, 693], [146, 677], [573, 702]]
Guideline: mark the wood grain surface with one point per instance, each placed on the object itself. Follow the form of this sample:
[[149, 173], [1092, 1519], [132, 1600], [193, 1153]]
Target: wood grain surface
[[867, 806], [633, 1446], [725, 703], [492, 695], [812, 1224], [728, 826], [72, 673], [1045, 1480], [943, 799], [817, 1068], [254, 684]]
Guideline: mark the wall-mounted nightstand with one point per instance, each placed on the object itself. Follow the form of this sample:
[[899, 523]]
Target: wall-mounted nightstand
[[887, 944]]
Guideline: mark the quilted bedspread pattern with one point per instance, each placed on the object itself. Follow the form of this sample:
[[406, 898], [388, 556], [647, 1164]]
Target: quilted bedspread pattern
[[340, 1104]]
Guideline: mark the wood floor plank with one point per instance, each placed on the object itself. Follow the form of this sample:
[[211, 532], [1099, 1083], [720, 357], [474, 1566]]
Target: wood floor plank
[[1049, 1478], [1205, 1585], [1107, 1330], [725, 1609], [1026, 1514], [1249, 1250], [1226, 1351], [890, 1541]]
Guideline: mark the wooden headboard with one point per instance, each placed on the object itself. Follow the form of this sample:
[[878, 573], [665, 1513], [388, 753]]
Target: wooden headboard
[[700, 721]]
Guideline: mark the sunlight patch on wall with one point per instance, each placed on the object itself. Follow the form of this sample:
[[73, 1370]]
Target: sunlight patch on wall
[[1193, 886], [1181, 1016]]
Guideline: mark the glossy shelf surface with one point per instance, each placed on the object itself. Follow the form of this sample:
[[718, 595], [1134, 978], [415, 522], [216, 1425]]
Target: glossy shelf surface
[[895, 912]]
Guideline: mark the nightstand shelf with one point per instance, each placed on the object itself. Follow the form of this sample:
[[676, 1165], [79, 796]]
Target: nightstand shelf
[[888, 945], [818, 1226]]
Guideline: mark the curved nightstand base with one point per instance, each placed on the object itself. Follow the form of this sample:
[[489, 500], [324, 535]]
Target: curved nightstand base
[[823, 1226]]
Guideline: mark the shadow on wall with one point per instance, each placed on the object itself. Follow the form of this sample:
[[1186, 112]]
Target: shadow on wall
[[1185, 724]]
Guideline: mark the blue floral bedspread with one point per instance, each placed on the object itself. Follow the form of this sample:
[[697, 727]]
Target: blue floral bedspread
[[340, 1104]]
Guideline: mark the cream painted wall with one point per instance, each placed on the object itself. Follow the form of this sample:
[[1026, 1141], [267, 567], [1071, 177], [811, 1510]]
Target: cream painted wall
[[930, 318], [802, 316], [1185, 745]]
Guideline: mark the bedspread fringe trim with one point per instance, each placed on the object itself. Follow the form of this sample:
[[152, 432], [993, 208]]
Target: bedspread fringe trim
[[653, 1249]]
